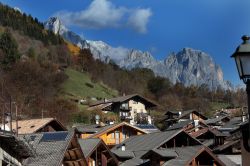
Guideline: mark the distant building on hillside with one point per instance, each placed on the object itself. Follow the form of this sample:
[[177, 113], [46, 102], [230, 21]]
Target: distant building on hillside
[[133, 109]]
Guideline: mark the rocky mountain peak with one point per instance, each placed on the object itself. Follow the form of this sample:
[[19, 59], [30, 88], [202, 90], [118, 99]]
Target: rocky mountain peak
[[55, 25], [188, 66]]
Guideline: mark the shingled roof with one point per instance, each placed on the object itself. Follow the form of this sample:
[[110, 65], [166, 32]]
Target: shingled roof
[[216, 120], [33, 125], [180, 125], [141, 144], [50, 148], [215, 132], [187, 112], [188, 153], [98, 130]]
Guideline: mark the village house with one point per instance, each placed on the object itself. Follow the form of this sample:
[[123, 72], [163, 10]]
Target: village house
[[133, 109], [172, 117], [54, 149], [217, 121], [97, 152], [173, 147], [110, 134], [231, 125], [210, 137], [36, 126]]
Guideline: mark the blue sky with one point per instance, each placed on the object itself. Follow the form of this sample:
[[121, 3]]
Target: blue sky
[[158, 26]]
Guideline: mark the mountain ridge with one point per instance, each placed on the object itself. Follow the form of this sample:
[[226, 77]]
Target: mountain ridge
[[188, 66]]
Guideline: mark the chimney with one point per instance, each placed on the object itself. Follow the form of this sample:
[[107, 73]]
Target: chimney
[[123, 147], [179, 113], [97, 119]]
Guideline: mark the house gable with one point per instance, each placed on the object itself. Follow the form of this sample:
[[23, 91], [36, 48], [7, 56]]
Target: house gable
[[179, 140], [54, 148], [118, 133], [95, 150], [38, 125]]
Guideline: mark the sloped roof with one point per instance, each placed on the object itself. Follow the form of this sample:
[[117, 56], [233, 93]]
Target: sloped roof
[[185, 113], [215, 120], [148, 127], [180, 125], [33, 125], [148, 141], [233, 123], [88, 145], [134, 161], [99, 130], [226, 145], [123, 154], [141, 144], [227, 159], [187, 153], [205, 130], [48, 153], [93, 128], [121, 99], [166, 152], [100, 106]]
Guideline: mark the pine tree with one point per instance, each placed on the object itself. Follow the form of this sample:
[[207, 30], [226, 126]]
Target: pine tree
[[9, 48]]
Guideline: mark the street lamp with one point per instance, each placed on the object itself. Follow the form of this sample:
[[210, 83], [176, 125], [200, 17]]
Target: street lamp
[[242, 59]]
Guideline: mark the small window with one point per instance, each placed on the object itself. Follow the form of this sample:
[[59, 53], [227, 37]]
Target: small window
[[32, 126]]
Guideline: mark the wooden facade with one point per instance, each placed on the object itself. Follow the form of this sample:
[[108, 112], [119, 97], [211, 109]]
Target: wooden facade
[[115, 134], [99, 154], [205, 157], [74, 155]]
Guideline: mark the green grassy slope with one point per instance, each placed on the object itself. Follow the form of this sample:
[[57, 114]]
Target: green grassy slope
[[79, 85]]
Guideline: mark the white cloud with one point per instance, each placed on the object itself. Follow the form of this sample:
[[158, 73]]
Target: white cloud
[[104, 14], [139, 19]]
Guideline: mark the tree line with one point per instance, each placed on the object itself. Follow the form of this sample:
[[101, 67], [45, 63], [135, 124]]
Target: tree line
[[28, 25]]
